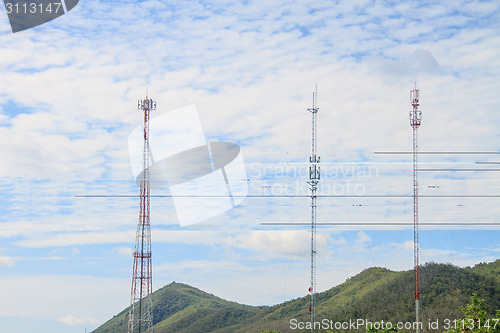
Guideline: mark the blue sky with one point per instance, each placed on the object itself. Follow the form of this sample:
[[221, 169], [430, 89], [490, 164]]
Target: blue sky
[[68, 93]]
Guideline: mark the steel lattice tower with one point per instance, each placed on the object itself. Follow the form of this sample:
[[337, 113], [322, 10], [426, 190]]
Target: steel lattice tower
[[415, 120], [140, 313], [314, 175]]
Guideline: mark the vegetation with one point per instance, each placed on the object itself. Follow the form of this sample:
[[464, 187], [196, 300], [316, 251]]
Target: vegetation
[[475, 319], [375, 294]]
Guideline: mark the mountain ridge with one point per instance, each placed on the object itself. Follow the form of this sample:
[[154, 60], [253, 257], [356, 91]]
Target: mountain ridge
[[374, 294]]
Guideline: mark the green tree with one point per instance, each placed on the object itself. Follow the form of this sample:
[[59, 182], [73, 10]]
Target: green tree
[[475, 319]]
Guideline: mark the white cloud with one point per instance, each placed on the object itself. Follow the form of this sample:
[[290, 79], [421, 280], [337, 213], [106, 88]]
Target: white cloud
[[407, 245], [40, 258], [74, 321], [80, 238], [277, 243], [340, 241], [363, 238], [70, 320], [240, 105], [127, 251], [7, 261]]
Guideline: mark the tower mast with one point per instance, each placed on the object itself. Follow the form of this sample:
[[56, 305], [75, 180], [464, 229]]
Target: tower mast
[[314, 175], [415, 120], [140, 313]]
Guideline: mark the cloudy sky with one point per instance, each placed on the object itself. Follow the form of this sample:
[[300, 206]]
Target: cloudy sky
[[68, 103]]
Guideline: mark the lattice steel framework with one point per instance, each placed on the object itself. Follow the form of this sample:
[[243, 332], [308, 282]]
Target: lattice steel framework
[[140, 313], [415, 121], [314, 176]]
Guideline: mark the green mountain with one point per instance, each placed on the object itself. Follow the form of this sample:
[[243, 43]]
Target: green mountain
[[375, 294], [178, 307]]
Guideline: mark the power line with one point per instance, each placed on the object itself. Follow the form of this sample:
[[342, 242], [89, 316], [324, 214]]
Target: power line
[[438, 152], [295, 196], [379, 223]]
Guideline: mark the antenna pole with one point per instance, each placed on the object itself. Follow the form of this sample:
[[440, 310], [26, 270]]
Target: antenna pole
[[314, 176], [415, 121], [140, 312]]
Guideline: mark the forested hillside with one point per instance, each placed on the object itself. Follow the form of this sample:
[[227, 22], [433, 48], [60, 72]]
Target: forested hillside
[[375, 294]]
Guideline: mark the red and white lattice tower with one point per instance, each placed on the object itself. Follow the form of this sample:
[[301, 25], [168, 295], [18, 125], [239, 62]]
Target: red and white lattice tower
[[140, 313], [415, 120], [314, 175]]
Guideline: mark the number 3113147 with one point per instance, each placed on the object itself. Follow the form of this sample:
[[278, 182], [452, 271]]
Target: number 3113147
[[33, 8]]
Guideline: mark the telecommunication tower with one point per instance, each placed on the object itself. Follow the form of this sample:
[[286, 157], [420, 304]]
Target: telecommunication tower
[[140, 313], [314, 176], [415, 120]]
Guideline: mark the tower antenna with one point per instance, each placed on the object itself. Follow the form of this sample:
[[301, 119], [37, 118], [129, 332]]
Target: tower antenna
[[314, 176], [140, 312], [415, 121]]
